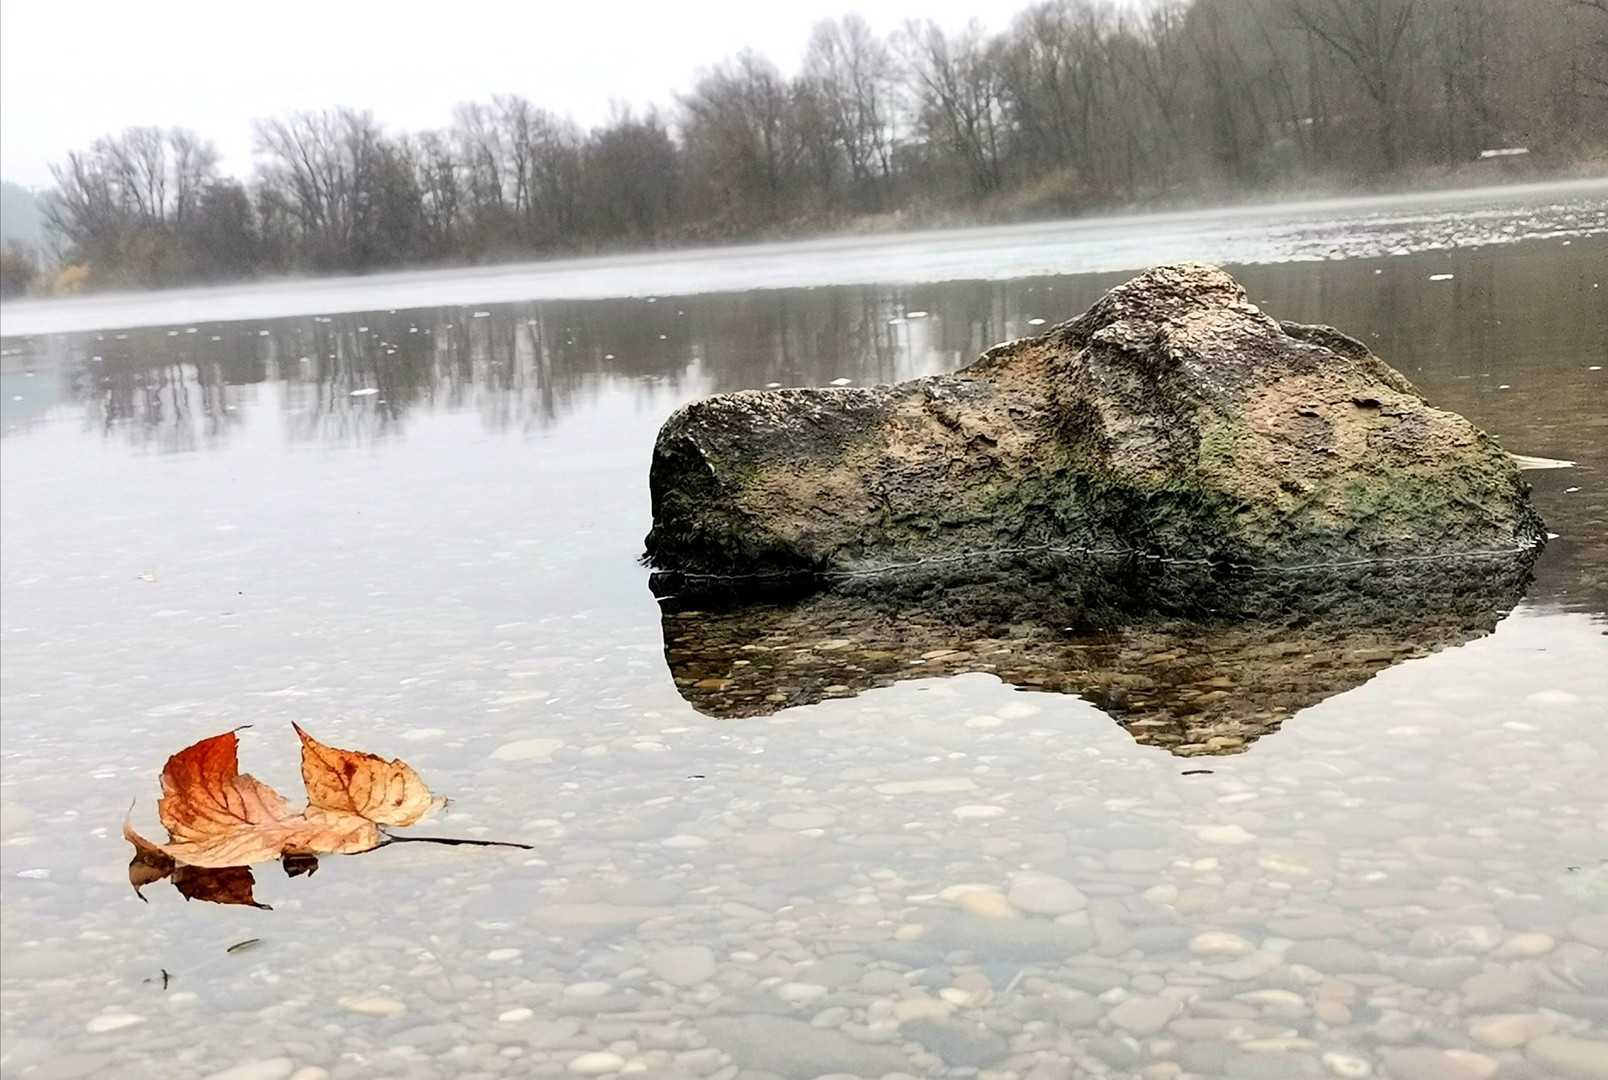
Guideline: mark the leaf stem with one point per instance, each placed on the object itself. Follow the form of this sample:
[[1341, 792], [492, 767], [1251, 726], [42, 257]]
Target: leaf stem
[[453, 840]]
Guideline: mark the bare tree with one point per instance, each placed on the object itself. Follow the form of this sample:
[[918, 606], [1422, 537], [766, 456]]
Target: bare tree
[[1375, 38], [740, 136], [959, 95], [852, 72]]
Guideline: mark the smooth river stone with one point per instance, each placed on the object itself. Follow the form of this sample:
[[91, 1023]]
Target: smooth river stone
[[1347, 1066], [527, 750], [795, 1050], [597, 1063], [1525, 945], [986, 904], [686, 965], [1144, 1016], [105, 1022], [1220, 943], [1506, 1031], [372, 1005], [1135, 861], [1489, 988], [1426, 1063], [1333, 957], [1310, 927], [262, 1069], [1046, 895], [1224, 835], [1579, 1059]]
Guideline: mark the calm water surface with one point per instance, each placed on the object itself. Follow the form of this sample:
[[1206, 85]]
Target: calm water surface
[[416, 533]]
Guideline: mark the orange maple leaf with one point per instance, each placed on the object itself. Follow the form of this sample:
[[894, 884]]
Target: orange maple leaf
[[220, 820], [217, 816]]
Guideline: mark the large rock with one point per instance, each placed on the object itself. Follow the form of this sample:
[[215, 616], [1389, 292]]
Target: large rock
[[1172, 419]]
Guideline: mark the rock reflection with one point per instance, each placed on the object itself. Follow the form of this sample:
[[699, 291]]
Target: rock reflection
[[1192, 659]]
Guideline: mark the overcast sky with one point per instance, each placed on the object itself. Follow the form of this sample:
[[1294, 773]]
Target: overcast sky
[[72, 71]]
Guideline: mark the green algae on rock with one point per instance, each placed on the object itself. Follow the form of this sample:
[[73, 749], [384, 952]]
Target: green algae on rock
[[1173, 419]]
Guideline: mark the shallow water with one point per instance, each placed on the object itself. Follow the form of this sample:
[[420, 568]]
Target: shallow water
[[945, 875]]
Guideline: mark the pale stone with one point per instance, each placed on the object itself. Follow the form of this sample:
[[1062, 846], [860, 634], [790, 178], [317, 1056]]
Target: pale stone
[[686, 965], [1144, 1016], [310, 1072], [966, 999], [1331, 1012], [591, 989], [105, 1022], [500, 955], [514, 1016], [1042, 894], [1488, 988], [987, 905], [1165, 894], [1579, 1059], [1347, 1066], [597, 1063], [801, 992], [978, 810], [921, 1008], [1251, 966], [1525, 945], [938, 785], [527, 750], [1224, 835], [1506, 1031], [371, 1005], [1273, 999], [1296, 862], [278, 1068], [1484, 1067], [1220, 943], [684, 842]]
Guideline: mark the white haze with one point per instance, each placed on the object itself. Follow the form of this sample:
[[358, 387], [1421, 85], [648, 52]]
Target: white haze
[[70, 73]]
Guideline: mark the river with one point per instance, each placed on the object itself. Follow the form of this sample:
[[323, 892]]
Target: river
[[406, 512]]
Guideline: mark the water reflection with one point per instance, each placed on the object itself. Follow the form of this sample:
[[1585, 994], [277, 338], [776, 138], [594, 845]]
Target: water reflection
[[1507, 336], [1192, 659]]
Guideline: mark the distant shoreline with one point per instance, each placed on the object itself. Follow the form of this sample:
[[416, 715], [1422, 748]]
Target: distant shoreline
[[1293, 229]]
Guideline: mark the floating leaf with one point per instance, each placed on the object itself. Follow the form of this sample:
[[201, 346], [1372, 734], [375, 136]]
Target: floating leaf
[[352, 782], [220, 820], [218, 816]]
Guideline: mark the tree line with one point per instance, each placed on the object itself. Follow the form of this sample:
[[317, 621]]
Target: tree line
[[1075, 105]]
